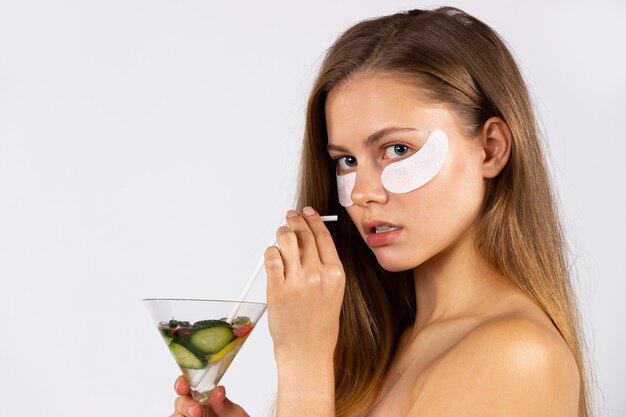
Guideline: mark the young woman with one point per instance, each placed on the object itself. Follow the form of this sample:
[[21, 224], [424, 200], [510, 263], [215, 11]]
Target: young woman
[[443, 289]]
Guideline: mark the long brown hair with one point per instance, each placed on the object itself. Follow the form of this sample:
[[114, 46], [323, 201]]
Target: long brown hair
[[455, 59]]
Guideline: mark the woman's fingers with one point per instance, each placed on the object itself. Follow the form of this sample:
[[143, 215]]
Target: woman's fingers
[[305, 240], [274, 269], [323, 240], [181, 386], [223, 407], [185, 406], [289, 251], [304, 243]]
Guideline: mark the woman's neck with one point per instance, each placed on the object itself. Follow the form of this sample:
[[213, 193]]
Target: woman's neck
[[454, 283]]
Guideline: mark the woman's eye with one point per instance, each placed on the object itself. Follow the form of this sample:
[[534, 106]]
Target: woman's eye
[[346, 163], [396, 151]]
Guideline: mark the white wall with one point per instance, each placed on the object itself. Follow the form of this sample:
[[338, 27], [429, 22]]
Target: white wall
[[148, 148]]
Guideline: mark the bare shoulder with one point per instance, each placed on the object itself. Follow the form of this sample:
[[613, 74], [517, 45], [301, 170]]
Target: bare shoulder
[[512, 365]]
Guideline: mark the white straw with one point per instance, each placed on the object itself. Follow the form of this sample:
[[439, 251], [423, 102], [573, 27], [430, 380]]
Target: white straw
[[257, 271], [249, 285]]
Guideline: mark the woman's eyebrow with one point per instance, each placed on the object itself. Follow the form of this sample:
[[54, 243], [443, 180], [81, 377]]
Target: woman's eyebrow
[[374, 137]]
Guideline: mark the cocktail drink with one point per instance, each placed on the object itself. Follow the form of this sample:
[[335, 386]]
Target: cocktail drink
[[204, 336]]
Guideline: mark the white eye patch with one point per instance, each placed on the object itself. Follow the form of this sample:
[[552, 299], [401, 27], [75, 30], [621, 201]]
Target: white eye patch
[[406, 175], [411, 173], [345, 185]]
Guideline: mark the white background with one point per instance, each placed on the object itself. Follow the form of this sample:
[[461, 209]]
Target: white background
[[149, 149]]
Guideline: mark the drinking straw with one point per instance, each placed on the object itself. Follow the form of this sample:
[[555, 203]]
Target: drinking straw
[[258, 269]]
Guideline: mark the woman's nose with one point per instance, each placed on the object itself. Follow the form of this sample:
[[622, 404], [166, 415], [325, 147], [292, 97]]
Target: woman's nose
[[368, 188]]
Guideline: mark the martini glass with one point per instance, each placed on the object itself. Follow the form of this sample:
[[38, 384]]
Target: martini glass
[[204, 336]]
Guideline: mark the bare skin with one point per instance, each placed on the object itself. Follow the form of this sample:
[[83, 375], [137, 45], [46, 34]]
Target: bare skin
[[479, 346], [505, 345]]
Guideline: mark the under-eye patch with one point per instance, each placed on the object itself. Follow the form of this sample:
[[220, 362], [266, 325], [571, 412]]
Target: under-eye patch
[[345, 185], [407, 174], [411, 173]]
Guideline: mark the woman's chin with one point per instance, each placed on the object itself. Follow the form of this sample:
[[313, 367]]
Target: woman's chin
[[395, 263]]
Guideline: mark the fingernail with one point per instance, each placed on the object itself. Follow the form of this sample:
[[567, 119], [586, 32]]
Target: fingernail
[[176, 386], [291, 214], [192, 410], [309, 211]]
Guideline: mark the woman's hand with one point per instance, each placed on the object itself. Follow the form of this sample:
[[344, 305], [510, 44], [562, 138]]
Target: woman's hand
[[305, 286], [220, 405]]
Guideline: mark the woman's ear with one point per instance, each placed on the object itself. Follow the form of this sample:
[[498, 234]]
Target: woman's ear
[[496, 141]]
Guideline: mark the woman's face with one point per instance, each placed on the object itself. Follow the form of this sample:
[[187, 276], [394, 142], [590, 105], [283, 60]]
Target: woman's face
[[403, 229]]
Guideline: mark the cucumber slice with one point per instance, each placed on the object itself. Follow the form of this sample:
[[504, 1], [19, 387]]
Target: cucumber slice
[[212, 339], [186, 355]]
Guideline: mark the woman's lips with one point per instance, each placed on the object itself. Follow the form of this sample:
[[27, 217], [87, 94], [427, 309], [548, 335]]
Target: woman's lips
[[383, 235]]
